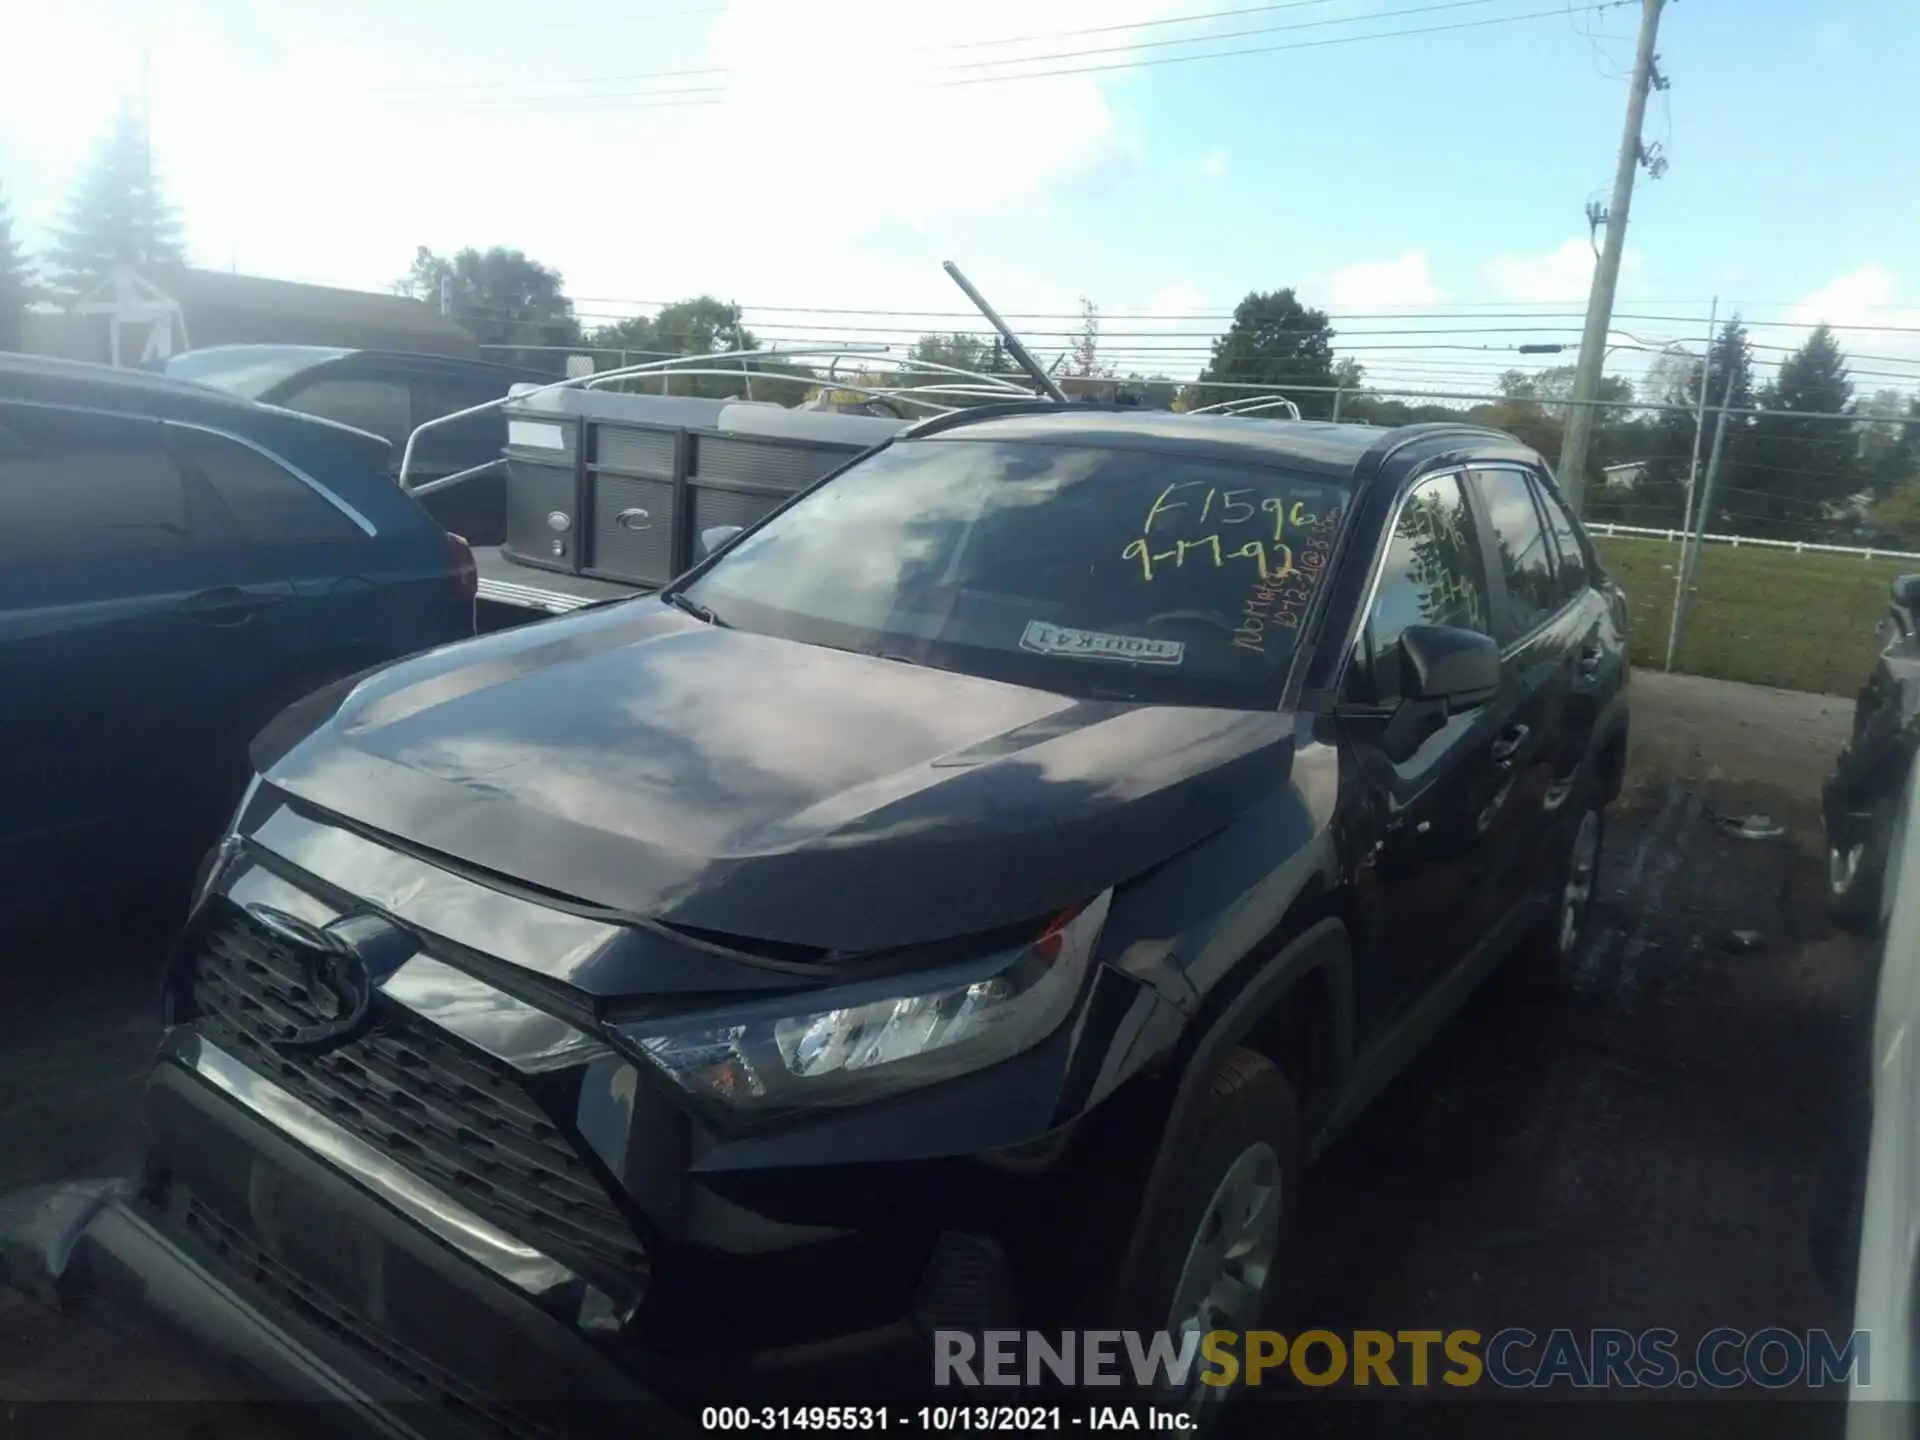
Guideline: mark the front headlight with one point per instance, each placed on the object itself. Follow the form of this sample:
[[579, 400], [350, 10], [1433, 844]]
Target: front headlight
[[857, 1043]]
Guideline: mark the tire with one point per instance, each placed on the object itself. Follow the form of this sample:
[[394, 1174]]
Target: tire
[[1245, 1138], [1857, 869], [1549, 949]]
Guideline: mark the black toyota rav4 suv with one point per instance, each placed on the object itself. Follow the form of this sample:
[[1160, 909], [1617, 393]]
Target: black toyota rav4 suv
[[964, 900]]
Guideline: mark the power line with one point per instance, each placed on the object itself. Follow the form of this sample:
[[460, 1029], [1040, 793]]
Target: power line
[[1222, 35], [716, 95], [1476, 310], [958, 46]]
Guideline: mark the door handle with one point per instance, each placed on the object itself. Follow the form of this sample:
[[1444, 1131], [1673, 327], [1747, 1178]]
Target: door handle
[[1508, 745], [225, 605], [1592, 654]]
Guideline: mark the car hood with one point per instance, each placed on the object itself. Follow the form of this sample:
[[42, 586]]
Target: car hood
[[763, 789]]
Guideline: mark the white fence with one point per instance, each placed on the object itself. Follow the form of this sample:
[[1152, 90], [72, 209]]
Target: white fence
[[1603, 527]]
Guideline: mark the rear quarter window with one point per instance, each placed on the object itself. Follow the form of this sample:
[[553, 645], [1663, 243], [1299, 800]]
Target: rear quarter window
[[268, 502]]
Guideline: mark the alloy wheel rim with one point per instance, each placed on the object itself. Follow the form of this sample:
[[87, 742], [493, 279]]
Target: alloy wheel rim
[[1230, 1259], [1578, 889], [1843, 866]]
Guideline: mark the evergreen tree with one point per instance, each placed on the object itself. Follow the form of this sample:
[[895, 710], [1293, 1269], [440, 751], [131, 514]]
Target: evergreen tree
[[1660, 498], [16, 282], [115, 214], [1800, 469]]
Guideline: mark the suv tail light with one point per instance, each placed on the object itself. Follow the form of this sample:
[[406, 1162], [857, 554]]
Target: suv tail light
[[465, 573]]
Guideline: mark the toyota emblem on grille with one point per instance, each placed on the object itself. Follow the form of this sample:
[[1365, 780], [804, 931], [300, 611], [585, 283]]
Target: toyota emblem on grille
[[341, 965], [634, 519], [559, 521]]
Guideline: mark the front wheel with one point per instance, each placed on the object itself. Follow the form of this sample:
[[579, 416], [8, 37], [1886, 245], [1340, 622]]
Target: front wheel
[[1550, 948], [1211, 1252]]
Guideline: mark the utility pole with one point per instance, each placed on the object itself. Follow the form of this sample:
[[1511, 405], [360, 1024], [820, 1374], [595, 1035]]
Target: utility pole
[[1606, 270]]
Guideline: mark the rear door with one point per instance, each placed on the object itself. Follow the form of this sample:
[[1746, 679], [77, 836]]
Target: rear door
[[1537, 627], [1423, 864], [121, 635], [328, 566], [1585, 628]]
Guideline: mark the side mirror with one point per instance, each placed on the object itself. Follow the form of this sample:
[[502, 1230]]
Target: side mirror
[[714, 536], [1446, 664], [1906, 591]]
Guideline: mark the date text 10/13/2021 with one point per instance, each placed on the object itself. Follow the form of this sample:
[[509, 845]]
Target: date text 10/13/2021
[[943, 1419], [1287, 544]]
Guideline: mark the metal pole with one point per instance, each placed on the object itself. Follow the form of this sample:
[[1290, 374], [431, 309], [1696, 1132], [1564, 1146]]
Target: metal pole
[[740, 343], [1690, 557], [1014, 348], [1693, 466], [1338, 392], [1606, 271], [1700, 413]]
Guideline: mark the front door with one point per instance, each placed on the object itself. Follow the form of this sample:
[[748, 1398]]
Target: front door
[[1538, 628], [1421, 841]]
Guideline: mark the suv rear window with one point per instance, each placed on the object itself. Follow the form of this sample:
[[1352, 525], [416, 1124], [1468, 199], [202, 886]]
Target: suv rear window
[[1116, 573]]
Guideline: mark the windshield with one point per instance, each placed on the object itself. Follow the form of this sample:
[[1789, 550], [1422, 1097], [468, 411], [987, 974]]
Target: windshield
[[250, 371], [1114, 573]]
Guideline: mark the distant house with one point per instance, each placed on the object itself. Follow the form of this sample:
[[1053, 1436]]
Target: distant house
[[133, 318]]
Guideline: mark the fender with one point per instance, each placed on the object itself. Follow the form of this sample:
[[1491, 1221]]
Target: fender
[[1322, 947], [1612, 725]]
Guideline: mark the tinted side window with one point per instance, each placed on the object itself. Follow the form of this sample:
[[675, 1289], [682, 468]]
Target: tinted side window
[[380, 407], [269, 503], [1523, 548], [76, 486], [1433, 575], [443, 394], [1566, 544], [437, 395]]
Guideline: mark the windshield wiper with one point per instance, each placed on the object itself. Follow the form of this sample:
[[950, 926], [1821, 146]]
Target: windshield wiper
[[694, 608]]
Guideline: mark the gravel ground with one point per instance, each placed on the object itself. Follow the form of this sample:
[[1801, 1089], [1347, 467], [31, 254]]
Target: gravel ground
[[1637, 1145]]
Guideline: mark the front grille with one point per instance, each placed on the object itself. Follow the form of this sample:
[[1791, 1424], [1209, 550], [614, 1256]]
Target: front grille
[[245, 1261], [451, 1115]]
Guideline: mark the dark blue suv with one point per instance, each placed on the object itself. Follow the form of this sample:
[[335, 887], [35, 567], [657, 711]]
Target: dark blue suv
[[176, 566]]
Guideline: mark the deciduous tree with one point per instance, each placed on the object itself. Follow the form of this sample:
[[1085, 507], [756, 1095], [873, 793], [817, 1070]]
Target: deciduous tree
[[1274, 341], [502, 297]]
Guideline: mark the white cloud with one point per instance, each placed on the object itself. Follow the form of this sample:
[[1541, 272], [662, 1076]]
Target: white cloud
[[1564, 273], [1857, 297], [1384, 284], [1867, 296], [794, 163], [1214, 166]]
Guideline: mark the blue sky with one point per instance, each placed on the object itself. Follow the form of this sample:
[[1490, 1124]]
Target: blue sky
[[824, 158]]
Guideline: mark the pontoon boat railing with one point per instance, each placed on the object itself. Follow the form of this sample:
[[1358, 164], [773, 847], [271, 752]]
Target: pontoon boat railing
[[946, 381], [1250, 405]]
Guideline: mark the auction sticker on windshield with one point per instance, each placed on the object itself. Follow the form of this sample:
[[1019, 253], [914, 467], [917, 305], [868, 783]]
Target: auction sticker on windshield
[[1045, 639]]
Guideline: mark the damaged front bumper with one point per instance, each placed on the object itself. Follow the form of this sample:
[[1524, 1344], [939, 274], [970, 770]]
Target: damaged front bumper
[[378, 1321], [266, 1233]]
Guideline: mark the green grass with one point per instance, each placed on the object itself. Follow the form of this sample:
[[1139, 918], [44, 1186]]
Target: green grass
[[1768, 617]]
